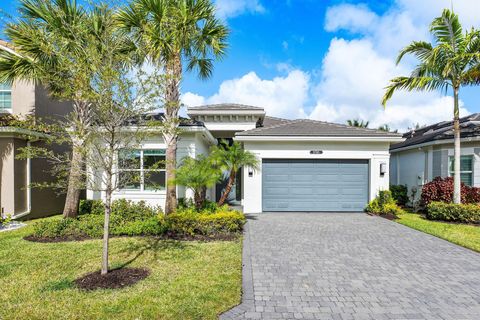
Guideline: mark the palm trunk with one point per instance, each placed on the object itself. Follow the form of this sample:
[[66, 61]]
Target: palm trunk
[[172, 94], [456, 161], [106, 226], [228, 188], [72, 199], [197, 198]]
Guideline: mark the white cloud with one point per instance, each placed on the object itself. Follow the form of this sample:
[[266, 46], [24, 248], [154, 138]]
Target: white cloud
[[355, 18], [232, 8], [280, 96]]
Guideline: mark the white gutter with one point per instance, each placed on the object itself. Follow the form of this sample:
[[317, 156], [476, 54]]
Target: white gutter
[[319, 138], [436, 142], [208, 135], [14, 131], [225, 112]]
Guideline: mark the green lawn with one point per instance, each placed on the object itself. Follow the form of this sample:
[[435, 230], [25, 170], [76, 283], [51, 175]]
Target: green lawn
[[467, 236], [189, 280]]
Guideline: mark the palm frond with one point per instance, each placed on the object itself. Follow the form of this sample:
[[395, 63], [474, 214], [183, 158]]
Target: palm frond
[[421, 49], [413, 84]]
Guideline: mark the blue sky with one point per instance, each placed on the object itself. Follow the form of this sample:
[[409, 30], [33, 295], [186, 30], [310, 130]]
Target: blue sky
[[327, 60]]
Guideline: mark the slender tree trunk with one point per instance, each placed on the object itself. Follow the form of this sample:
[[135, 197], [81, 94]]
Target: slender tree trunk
[[228, 188], [197, 198], [106, 227], [172, 94], [456, 161], [72, 199]]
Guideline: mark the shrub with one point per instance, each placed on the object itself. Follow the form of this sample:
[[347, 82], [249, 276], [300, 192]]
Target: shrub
[[469, 213], [221, 222], [91, 207], [399, 194], [383, 204], [441, 190], [5, 220], [138, 219]]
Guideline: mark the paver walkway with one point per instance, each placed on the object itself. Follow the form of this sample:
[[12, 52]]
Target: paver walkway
[[352, 266]]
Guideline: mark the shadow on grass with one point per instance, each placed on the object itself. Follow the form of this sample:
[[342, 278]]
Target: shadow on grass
[[58, 285], [153, 246]]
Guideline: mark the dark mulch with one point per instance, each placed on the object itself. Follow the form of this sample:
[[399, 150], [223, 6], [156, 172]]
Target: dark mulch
[[387, 216], [115, 279], [168, 236], [33, 238]]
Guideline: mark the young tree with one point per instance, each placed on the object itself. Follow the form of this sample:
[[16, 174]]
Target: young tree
[[232, 159], [452, 61], [48, 41], [175, 35], [198, 174], [118, 110], [358, 123]]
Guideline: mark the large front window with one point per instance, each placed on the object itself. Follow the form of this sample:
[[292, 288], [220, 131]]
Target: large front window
[[466, 169], [142, 170], [5, 96]]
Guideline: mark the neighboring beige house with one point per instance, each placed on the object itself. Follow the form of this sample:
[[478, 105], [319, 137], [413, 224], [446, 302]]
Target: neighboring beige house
[[16, 198]]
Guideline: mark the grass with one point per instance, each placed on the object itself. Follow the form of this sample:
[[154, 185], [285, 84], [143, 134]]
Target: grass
[[467, 236], [189, 280]]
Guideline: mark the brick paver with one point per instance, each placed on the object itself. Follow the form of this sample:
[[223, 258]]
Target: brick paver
[[352, 266]]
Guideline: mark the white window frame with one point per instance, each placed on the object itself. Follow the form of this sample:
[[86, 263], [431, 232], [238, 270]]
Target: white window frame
[[142, 171], [2, 109], [450, 172]]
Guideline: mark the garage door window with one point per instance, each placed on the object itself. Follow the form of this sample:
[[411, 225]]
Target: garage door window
[[466, 169]]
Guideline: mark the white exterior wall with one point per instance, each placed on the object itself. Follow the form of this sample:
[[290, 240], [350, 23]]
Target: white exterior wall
[[375, 152], [189, 144]]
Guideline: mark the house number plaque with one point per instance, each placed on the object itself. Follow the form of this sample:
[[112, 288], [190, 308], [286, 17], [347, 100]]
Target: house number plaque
[[316, 152]]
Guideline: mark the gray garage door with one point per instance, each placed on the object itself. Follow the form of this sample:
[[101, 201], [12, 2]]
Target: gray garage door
[[314, 185]]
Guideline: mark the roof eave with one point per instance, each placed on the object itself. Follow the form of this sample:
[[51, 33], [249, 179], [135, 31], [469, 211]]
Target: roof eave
[[389, 139], [432, 143]]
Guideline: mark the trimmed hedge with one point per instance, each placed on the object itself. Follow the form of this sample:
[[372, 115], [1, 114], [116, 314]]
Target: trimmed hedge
[[468, 213], [137, 219]]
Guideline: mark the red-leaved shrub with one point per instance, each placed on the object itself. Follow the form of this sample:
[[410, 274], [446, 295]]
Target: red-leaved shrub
[[441, 189]]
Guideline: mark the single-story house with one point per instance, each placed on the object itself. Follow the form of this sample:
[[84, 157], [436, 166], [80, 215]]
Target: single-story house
[[306, 165], [427, 153]]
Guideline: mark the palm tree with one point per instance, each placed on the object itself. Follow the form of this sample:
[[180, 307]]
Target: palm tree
[[176, 36], [47, 42], [197, 174], [451, 62], [232, 159], [386, 128], [358, 123]]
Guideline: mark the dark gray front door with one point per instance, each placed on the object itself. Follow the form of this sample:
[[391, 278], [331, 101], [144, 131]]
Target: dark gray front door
[[314, 185]]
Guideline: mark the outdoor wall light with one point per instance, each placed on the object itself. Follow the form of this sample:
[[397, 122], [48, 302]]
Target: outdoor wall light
[[250, 172], [383, 168]]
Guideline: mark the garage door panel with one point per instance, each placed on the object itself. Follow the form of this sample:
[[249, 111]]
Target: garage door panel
[[315, 185]]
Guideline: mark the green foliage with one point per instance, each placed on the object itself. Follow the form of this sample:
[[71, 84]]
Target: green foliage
[[5, 220], [383, 204], [468, 213], [399, 193], [137, 219], [358, 123], [188, 222]]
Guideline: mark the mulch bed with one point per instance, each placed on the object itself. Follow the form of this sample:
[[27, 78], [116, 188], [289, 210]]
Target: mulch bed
[[114, 279], [168, 236], [387, 216]]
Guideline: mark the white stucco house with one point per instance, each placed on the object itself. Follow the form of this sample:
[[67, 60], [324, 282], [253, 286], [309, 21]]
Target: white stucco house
[[427, 153], [306, 165]]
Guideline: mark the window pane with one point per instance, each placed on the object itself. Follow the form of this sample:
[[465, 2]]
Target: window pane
[[466, 178], [466, 163], [5, 86], [5, 100], [154, 159], [129, 180], [129, 159], [154, 180]]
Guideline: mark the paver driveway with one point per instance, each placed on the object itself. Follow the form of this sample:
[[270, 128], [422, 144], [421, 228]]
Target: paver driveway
[[353, 266]]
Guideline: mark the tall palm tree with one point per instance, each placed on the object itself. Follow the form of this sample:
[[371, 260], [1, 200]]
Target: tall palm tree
[[47, 40], [358, 123], [177, 36], [452, 61], [232, 158]]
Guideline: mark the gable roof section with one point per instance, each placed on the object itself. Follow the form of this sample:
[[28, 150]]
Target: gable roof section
[[469, 127], [313, 128]]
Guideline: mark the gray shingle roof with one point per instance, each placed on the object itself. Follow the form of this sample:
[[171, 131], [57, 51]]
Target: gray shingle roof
[[469, 127], [306, 127], [225, 106], [273, 121]]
